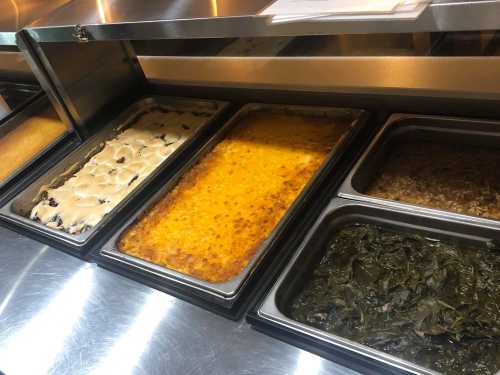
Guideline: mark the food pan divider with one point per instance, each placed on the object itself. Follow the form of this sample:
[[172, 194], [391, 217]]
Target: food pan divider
[[16, 211], [400, 127], [270, 316], [227, 294]]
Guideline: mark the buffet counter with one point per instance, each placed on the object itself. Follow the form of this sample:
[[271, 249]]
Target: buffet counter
[[82, 319], [214, 192]]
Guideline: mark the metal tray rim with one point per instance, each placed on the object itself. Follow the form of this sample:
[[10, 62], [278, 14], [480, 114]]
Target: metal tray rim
[[273, 314], [348, 191], [230, 290], [82, 239], [269, 311], [160, 271]]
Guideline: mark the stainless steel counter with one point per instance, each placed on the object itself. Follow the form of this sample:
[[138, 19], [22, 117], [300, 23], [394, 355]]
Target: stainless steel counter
[[61, 315]]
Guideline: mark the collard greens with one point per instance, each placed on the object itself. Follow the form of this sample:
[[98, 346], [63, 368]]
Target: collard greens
[[430, 302]]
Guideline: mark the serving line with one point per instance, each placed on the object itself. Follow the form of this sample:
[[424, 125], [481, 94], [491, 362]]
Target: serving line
[[227, 293]]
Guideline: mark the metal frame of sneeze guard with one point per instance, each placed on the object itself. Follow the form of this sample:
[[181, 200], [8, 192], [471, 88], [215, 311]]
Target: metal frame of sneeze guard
[[104, 66]]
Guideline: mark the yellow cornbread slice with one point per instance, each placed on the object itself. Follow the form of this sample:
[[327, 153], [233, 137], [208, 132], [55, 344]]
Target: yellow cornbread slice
[[27, 140]]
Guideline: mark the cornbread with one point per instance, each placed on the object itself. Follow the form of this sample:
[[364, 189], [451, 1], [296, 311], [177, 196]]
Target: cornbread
[[28, 139], [450, 177], [212, 223], [116, 170]]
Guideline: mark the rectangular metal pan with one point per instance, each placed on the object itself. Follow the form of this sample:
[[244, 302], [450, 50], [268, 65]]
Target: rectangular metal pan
[[338, 213], [31, 110], [225, 294], [16, 96], [419, 127], [18, 209]]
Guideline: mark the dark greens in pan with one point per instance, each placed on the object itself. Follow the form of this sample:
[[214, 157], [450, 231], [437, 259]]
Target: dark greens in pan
[[431, 302]]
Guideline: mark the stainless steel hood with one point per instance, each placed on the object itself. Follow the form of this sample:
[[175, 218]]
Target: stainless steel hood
[[16, 14], [166, 19], [102, 12], [55, 20]]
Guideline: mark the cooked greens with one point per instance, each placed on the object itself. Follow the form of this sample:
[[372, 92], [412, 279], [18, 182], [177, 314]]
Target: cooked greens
[[430, 302]]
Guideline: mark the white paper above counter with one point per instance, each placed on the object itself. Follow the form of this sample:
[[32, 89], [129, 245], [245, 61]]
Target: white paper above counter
[[303, 7], [321, 10]]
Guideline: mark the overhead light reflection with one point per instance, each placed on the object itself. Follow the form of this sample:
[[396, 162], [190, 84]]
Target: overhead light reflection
[[19, 280], [308, 364], [126, 353], [215, 8], [16, 10], [104, 11], [33, 349]]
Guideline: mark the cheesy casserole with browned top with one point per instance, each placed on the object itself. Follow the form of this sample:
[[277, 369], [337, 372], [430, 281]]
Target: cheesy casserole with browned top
[[212, 223]]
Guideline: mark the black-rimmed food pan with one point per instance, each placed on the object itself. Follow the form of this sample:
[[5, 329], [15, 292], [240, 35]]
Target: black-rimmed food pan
[[438, 165], [15, 96], [184, 121], [399, 292], [227, 292]]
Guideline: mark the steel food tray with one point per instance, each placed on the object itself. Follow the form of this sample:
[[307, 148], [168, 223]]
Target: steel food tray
[[31, 110], [419, 127], [340, 212], [18, 209], [16, 96], [227, 293]]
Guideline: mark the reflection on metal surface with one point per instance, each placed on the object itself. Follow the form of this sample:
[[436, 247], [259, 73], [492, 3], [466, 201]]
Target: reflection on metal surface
[[9, 16], [358, 45], [49, 329], [108, 63], [15, 14], [127, 351], [20, 279], [16, 11], [100, 8], [9, 22], [215, 10], [89, 315], [160, 19], [35, 65], [7, 38], [458, 77], [308, 363], [104, 11], [13, 67], [86, 12]]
